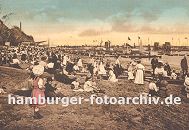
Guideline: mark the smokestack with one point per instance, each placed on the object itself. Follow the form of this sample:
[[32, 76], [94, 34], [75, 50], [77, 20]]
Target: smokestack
[[20, 26], [48, 42]]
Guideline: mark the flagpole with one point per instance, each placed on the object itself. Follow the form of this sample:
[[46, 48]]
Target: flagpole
[[186, 41], [138, 42], [179, 42]]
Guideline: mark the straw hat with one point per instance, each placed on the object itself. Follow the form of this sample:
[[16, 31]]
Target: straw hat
[[137, 59], [134, 63], [38, 70]]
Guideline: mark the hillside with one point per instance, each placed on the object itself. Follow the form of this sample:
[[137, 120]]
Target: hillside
[[13, 35]]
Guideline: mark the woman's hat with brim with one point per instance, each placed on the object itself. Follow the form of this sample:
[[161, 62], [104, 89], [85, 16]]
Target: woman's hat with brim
[[134, 63], [38, 70], [137, 59], [111, 68], [160, 61]]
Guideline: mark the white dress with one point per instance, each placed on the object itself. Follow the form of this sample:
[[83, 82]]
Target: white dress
[[76, 68], [130, 73], [65, 59], [117, 62], [139, 78], [88, 87], [112, 77], [102, 70], [79, 63]]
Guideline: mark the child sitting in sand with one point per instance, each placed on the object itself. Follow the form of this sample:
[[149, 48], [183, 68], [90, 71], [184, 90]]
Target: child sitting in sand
[[162, 84], [153, 89], [75, 84], [90, 86]]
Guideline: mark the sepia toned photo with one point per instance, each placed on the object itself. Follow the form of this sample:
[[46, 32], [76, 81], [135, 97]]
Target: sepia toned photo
[[94, 65]]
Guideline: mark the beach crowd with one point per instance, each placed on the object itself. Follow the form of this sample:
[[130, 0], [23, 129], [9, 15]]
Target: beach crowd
[[65, 67]]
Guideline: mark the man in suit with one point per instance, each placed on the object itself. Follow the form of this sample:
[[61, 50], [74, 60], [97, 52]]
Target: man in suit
[[184, 66]]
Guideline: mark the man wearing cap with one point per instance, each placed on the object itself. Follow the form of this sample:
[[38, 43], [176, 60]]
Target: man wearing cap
[[154, 63], [184, 66]]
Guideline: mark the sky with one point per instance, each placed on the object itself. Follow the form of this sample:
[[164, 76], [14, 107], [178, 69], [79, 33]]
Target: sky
[[79, 22]]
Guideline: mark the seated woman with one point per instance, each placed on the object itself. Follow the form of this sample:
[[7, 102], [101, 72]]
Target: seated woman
[[80, 64], [76, 68], [49, 89], [63, 77], [159, 70], [15, 62], [24, 58], [69, 67], [95, 68], [101, 70], [75, 84], [153, 89], [50, 67]]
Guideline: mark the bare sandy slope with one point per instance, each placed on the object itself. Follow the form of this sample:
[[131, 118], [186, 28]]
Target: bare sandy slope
[[90, 117]]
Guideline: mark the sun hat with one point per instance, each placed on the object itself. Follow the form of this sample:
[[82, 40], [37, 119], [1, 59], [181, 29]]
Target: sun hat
[[134, 63], [137, 59], [38, 70]]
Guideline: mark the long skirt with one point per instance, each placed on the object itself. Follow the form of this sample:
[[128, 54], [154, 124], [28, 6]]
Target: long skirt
[[139, 78], [130, 76]]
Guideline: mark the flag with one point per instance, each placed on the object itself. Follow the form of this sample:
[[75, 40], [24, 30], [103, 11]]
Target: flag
[[138, 37], [129, 38]]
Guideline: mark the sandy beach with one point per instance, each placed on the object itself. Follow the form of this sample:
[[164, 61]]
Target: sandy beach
[[86, 116]]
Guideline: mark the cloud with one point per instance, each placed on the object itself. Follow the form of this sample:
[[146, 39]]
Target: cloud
[[91, 32], [150, 16], [129, 27], [123, 27]]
